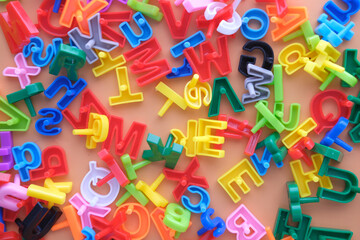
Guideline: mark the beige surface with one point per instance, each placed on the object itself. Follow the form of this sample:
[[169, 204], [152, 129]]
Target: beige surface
[[263, 201]]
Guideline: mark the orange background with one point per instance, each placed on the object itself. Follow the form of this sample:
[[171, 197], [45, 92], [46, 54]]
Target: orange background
[[264, 201]]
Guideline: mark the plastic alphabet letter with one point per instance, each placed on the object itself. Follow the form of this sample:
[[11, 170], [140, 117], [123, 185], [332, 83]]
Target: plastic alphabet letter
[[177, 217], [222, 86], [318, 233], [182, 71], [300, 132], [6, 144], [18, 121], [26, 94], [287, 23], [17, 26], [145, 28], [245, 60], [202, 205], [97, 130], [158, 152], [255, 14], [72, 221], [150, 191], [234, 175], [141, 56], [133, 137], [85, 211], [172, 97], [74, 9], [178, 28], [250, 227], [332, 136], [53, 164], [36, 47], [196, 93], [22, 71], [125, 95], [157, 216], [110, 229], [263, 164], [340, 15], [42, 124], [302, 178], [209, 224], [70, 58], [22, 164], [94, 40], [186, 178], [329, 120], [258, 77], [282, 228], [12, 193], [72, 90], [93, 197], [202, 65], [107, 63], [51, 192], [38, 222]]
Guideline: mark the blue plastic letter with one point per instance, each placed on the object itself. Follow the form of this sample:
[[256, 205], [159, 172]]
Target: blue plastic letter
[[191, 41], [42, 124], [22, 164], [258, 15], [204, 200]]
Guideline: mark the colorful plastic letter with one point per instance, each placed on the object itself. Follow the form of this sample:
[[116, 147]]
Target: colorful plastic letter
[[12, 193], [38, 222], [42, 124], [187, 141], [107, 63], [146, 9], [17, 26], [301, 131], [72, 90], [282, 227], [172, 96], [185, 178], [208, 55], [22, 164], [125, 95], [249, 228], [178, 28], [74, 9], [307, 31], [295, 201], [158, 152], [195, 93], [145, 29], [97, 131], [111, 229], [177, 217], [202, 205], [298, 150], [141, 56], [266, 118], [332, 135], [209, 224], [287, 23], [72, 221], [70, 58], [182, 71], [150, 191], [132, 191], [36, 47], [53, 164], [234, 176], [329, 120], [350, 190], [302, 179], [22, 71], [143, 220], [85, 211], [222, 86], [6, 155], [92, 177], [258, 15], [157, 216], [277, 153], [94, 40], [340, 15]]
